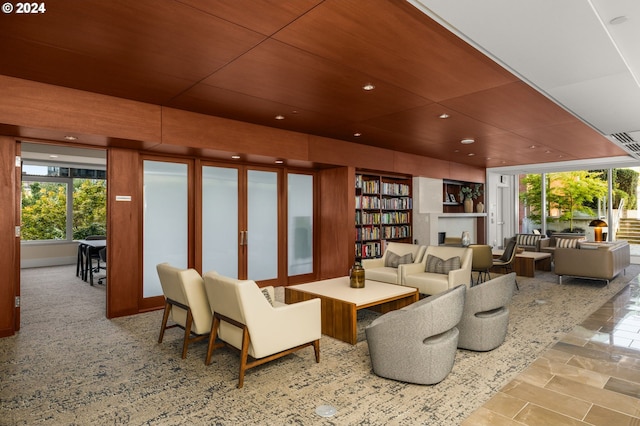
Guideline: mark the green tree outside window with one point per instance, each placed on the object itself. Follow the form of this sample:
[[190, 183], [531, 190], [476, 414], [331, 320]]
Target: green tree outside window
[[44, 209]]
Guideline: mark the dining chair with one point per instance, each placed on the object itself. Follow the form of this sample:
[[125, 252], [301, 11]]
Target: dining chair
[[505, 261], [481, 262]]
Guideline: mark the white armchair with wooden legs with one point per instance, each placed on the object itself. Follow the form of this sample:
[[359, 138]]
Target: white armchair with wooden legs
[[185, 302], [261, 329]]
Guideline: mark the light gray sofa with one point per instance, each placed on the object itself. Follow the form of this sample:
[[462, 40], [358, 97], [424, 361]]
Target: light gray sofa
[[485, 318], [386, 269], [415, 275], [417, 344], [599, 261]]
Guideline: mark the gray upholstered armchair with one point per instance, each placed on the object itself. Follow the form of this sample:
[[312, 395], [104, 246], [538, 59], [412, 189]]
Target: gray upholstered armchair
[[417, 344], [485, 318]]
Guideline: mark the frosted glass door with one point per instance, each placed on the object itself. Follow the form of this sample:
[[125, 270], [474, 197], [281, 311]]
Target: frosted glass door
[[262, 225], [300, 224], [166, 220], [220, 220]]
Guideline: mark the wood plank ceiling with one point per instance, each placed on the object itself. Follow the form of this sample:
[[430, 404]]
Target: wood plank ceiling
[[308, 61]]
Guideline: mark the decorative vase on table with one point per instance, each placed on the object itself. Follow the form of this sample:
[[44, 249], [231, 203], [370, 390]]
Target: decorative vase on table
[[356, 275], [466, 239], [468, 205]]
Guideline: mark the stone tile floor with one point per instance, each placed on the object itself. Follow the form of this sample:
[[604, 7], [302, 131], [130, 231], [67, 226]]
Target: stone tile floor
[[590, 377]]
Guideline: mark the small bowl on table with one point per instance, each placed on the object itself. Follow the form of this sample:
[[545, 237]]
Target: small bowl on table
[[519, 250]]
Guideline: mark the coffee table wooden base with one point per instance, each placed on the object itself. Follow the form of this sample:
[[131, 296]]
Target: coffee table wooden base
[[339, 317], [526, 263]]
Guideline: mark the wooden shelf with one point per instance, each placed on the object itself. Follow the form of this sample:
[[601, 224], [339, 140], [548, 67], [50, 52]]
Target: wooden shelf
[[384, 210], [453, 187], [462, 215]]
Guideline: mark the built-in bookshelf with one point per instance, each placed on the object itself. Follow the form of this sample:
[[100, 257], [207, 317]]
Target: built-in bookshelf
[[452, 200], [383, 212]]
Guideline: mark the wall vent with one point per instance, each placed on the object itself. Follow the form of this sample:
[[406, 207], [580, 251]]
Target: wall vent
[[627, 142]]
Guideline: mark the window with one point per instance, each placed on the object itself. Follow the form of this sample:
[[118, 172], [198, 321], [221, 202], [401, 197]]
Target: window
[[58, 206]]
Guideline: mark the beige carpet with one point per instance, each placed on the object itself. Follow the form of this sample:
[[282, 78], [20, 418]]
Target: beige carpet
[[70, 365]]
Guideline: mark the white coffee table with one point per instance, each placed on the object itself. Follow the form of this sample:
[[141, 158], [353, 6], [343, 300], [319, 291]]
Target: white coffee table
[[340, 302]]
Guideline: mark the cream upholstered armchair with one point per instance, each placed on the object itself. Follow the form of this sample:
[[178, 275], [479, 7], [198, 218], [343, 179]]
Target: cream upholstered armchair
[[417, 344], [185, 302], [485, 318], [441, 268], [386, 268], [245, 319]]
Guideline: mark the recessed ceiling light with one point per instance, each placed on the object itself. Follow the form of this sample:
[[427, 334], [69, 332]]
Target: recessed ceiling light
[[279, 161], [488, 158], [471, 154], [53, 156], [235, 157], [532, 147], [279, 117], [368, 87], [71, 138], [467, 141], [444, 115], [547, 152], [357, 134], [618, 20]]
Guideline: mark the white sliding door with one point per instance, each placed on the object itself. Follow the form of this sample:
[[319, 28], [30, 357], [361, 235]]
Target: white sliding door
[[166, 220], [220, 229], [300, 224]]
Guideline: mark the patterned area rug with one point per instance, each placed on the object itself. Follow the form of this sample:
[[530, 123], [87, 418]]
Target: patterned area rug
[[71, 365]]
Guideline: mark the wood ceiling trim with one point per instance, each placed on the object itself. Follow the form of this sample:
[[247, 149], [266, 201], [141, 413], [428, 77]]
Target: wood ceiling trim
[[38, 105], [252, 59], [202, 131]]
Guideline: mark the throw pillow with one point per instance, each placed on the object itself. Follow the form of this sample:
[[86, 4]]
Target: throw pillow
[[528, 240], [392, 260], [267, 296], [440, 266], [567, 242]]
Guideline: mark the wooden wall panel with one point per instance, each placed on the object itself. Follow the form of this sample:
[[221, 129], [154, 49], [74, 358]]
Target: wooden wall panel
[[467, 173], [338, 152], [36, 105], [9, 270], [124, 253], [183, 128], [337, 221], [417, 165]]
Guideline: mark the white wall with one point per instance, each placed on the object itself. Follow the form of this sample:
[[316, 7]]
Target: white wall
[[33, 255], [428, 217], [427, 199]]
